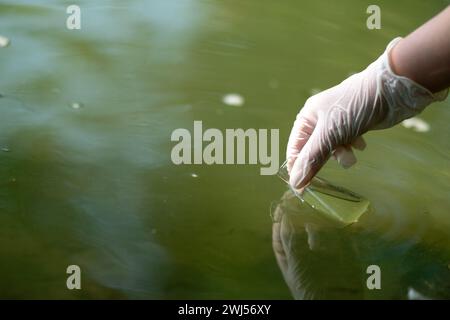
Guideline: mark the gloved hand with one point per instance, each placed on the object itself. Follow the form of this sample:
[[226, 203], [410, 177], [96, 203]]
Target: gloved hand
[[333, 121]]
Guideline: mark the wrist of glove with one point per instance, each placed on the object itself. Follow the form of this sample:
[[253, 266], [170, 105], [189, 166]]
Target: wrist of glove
[[403, 97], [333, 121]]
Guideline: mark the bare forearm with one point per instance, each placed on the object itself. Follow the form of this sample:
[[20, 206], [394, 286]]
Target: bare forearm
[[424, 55]]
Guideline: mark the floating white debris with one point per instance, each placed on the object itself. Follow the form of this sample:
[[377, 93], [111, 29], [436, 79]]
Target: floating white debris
[[194, 175], [415, 295], [76, 105], [4, 42], [233, 99], [416, 124], [5, 149]]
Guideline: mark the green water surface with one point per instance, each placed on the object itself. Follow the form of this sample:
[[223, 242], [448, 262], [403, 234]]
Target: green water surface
[[86, 176]]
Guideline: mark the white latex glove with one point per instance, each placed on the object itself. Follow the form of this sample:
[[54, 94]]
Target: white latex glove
[[333, 121]]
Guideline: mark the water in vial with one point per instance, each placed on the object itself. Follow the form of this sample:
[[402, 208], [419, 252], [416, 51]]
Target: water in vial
[[335, 202]]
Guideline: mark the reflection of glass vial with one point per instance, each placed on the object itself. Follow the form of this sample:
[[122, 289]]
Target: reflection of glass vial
[[335, 202]]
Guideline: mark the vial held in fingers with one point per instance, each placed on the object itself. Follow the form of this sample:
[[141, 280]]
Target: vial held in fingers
[[335, 202]]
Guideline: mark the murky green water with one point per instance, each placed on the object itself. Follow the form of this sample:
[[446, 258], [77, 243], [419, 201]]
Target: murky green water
[[94, 185]]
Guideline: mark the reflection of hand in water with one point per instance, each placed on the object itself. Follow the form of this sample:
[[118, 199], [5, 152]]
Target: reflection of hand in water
[[322, 260], [316, 258]]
